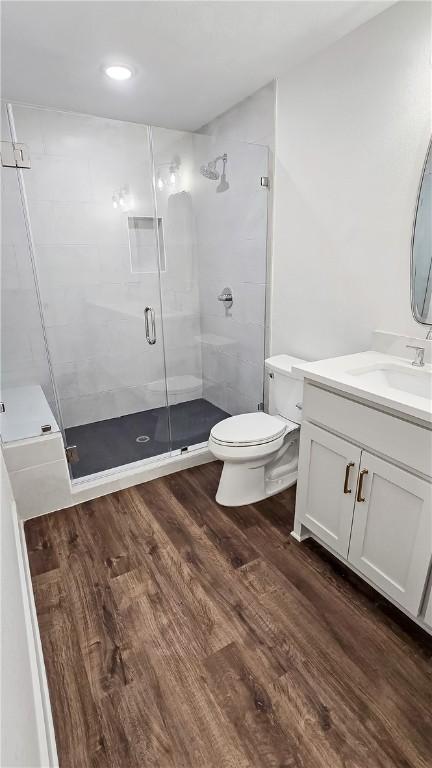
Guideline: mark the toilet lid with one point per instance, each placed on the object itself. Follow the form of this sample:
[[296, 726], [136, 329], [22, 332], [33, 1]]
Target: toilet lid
[[248, 429]]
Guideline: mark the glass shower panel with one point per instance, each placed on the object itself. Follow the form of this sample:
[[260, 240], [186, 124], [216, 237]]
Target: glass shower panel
[[91, 206], [27, 389], [209, 195]]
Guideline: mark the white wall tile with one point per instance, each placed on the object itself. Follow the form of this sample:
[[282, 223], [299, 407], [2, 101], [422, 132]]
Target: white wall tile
[[59, 179], [233, 252], [33, 451], [10, 278], [42, 487], [30, 129], [66, 265], [249, 302], [16, 348]]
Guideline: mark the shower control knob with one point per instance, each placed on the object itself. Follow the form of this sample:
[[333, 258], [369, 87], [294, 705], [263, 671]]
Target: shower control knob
[[226, 297]]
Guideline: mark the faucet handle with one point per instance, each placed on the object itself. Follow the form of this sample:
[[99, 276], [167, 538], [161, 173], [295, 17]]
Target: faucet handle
[[420, 352]]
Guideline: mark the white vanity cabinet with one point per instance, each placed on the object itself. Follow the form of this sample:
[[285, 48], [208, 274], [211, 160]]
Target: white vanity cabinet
[[391, 531], [328, 469], [373, 513]]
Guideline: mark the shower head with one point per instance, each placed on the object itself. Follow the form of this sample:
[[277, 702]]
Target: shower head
[[209, 171]]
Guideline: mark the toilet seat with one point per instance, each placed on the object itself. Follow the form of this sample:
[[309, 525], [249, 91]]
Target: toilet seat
[[250, 429]]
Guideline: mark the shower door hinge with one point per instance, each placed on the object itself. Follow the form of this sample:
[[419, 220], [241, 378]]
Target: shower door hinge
[[72, 454], [265, 182], [260, 407], [2, 408], [14, 155]]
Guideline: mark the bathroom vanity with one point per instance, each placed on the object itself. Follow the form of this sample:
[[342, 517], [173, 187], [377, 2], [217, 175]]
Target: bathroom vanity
[[364, 488], [365, 472]]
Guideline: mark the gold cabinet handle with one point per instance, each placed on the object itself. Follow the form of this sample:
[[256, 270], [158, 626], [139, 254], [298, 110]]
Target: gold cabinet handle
[[347, 472], [360, 485]]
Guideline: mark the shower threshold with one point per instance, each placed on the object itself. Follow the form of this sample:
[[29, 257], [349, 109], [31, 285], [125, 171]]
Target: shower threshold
[[113, 443]]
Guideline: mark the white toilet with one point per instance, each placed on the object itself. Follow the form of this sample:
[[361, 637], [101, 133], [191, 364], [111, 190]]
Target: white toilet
[[260, 450]]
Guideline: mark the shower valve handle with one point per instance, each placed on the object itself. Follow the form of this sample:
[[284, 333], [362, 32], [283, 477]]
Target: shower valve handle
[[226, 298]]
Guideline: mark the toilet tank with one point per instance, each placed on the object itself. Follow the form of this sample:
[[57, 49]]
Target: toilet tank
[[285, 388]]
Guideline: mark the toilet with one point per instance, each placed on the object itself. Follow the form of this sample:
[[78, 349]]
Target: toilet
[[260, 450]]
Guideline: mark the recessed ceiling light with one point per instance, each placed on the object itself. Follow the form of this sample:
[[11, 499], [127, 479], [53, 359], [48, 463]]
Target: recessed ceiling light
[[118, 72]]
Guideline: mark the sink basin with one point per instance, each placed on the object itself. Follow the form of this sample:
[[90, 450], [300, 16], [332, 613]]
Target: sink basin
[[410, 380], [381, 379]]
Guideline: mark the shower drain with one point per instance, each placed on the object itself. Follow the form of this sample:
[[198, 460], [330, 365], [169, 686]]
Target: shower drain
[[142, 439]]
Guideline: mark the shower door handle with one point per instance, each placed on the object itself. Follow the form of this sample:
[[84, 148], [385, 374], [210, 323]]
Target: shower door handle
[[150, 336]]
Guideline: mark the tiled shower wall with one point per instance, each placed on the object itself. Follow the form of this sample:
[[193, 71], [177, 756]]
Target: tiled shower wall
[[227, 249], [23, 353], [231, 241], [233, 252]]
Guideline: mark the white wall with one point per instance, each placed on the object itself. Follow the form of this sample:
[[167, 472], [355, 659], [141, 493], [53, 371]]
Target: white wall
[[231, 232], [251, 120], [352, 127], [22, 726]]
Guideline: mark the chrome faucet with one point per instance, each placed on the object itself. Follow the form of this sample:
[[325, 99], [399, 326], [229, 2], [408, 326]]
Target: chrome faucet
[[419, 355]]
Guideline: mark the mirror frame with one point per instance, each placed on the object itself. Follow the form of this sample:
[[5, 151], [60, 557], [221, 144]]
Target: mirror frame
[[413, 303]]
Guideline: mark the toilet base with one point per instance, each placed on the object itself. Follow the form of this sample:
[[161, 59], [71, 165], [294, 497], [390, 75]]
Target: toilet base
[[240, 484], [255, 472]]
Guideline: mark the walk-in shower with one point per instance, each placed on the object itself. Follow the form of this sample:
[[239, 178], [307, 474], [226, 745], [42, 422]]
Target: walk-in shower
[[115, 250]]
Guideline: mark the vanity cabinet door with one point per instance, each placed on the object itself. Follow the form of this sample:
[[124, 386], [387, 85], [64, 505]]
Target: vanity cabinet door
[[326, 489], [391, 534]]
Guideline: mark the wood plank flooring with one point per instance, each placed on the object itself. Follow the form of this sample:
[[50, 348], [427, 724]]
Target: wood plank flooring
[[181, 634]]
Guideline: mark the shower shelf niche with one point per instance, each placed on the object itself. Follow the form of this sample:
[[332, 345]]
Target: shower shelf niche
[[142, 244]]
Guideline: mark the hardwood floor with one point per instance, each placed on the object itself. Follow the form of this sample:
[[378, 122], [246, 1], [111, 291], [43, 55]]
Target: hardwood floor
[[181, 634]]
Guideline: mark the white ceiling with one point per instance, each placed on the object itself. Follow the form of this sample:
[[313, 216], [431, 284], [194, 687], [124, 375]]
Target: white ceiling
[[193, 60]]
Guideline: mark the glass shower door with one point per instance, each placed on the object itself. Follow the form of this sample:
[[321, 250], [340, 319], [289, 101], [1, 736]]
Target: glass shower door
[[91, 210], [210, 196]]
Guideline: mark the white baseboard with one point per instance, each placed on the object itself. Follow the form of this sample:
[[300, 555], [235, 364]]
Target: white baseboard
[[296, 536], [42, 705]]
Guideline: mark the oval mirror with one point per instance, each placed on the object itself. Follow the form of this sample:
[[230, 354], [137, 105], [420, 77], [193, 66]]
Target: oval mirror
[[421, 247]]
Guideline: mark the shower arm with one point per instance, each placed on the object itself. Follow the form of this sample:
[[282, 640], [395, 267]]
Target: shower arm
[[224, 159]]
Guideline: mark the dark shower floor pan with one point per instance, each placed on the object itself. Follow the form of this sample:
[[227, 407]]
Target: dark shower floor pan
[[111, 443]]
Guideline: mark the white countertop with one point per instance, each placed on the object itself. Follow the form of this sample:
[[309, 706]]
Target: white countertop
[[379, 378]]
